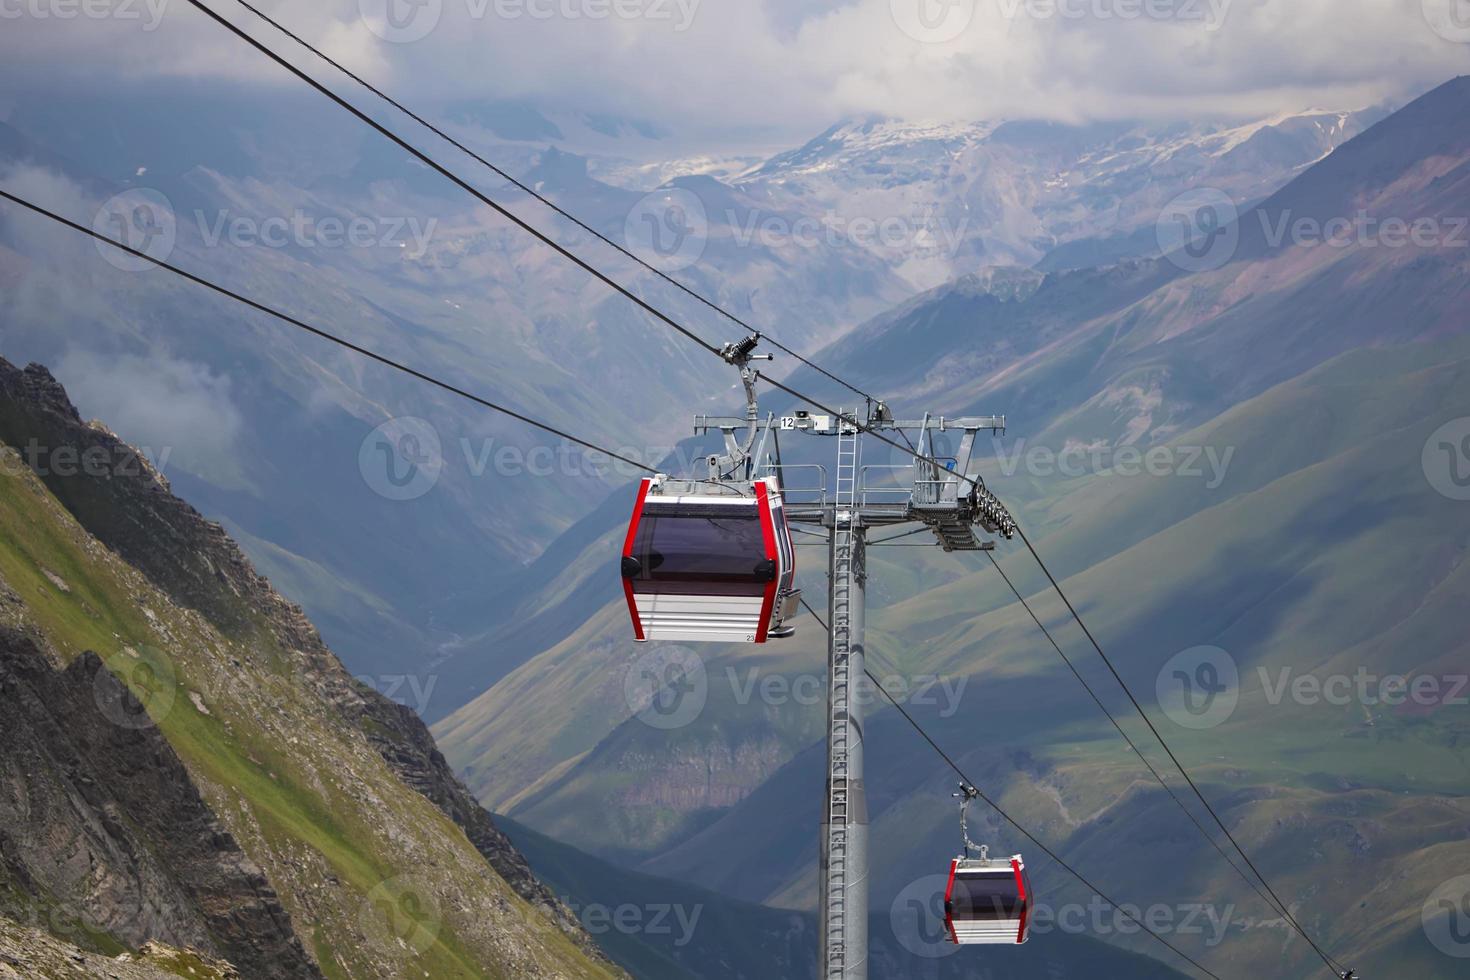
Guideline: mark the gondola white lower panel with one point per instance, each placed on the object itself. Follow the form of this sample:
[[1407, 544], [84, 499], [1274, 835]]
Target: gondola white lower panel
[[1002, 932], [696, 619]]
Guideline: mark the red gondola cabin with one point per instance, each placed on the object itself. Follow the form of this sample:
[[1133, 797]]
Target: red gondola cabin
[[709, 562]]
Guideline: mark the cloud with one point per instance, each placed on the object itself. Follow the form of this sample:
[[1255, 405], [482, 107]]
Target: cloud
[[724, 67], [178, 411]]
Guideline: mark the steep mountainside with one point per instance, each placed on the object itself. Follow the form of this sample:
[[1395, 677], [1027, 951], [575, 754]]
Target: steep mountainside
[[185, 760], [103, 818]]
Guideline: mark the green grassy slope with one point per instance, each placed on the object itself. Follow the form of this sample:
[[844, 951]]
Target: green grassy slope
[[1328, 800], [378, 882], [1322, 512]]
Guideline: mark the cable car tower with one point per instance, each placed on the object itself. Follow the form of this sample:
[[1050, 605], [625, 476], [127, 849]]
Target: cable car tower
[[935, 488], [930, 491]]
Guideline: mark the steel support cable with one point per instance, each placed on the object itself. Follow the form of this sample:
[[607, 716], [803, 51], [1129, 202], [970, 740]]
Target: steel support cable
[[525, 188], [460, 182], [1332, 965], [412, 372], [1011, 820], [323, 334], [895, 537], [1131, 744], [1337, 970], [670, 322]]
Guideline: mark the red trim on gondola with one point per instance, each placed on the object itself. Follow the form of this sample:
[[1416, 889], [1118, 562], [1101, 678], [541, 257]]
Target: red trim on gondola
[[768, 531], [628, 551], [1025, 905], [954, 937]]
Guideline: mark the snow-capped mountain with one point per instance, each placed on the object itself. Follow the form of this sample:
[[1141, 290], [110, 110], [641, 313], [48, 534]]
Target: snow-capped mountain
[[940, 201]]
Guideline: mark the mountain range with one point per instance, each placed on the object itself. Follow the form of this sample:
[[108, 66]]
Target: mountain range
[[1288, 392], [1037, 270]]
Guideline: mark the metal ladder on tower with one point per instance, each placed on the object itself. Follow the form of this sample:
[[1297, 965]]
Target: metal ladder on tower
[[845, 514]]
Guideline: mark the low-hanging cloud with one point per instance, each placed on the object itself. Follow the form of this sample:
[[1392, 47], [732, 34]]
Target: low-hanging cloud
[[791, 66], [176, 410]]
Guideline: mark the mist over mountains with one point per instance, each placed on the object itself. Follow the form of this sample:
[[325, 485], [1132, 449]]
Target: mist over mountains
[[1224, 389]]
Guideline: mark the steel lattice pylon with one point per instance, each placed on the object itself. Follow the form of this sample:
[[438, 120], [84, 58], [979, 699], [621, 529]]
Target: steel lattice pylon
[[945, 494]]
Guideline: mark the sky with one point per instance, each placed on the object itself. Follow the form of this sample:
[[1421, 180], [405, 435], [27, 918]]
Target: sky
[[727, 68]]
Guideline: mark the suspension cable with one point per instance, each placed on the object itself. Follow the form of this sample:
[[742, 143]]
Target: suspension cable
[[979, 484], [323, 334], [430, 379], [675, 325], [1131, 744], [527, 189], [460, 182], [1336, 968], [1011, 820]]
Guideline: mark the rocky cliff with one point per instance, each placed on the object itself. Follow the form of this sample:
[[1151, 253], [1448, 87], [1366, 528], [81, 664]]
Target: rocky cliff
[[127, 505], [186, 761], [102, 829]]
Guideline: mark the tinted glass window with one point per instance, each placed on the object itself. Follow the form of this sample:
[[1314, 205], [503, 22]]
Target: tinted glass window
[[709, 551], [993, 896]]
